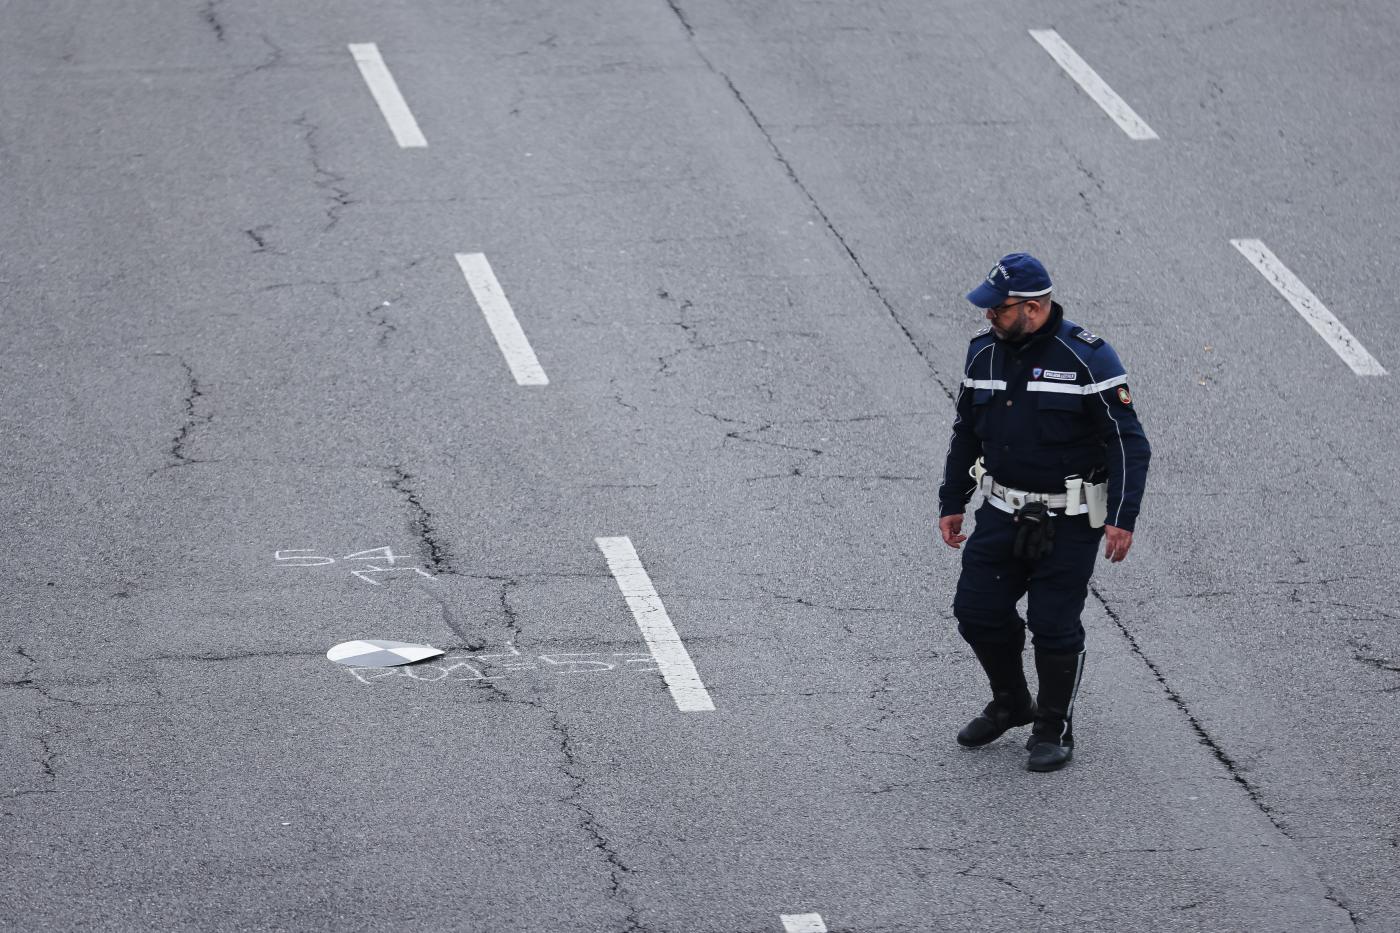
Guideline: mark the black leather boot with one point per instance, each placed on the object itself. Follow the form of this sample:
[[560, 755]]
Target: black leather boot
[[1052, 740], [1011, 699]]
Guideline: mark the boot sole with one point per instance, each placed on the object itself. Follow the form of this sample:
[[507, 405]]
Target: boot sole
[[1053, 766]]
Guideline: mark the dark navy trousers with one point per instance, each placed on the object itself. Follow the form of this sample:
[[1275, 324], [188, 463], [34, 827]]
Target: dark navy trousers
[[1055, 587]]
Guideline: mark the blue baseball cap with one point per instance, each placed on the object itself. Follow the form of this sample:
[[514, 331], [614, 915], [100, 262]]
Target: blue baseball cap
[[1016, 275]]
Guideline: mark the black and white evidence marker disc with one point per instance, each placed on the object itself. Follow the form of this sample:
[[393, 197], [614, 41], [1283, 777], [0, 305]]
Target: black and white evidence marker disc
[[376, 653]]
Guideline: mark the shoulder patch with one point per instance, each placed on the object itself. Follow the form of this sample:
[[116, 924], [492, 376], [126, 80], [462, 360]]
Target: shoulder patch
[[1092, 340]]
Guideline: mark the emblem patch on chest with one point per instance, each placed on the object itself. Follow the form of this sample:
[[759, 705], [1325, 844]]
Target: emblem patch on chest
[[1061, 376]]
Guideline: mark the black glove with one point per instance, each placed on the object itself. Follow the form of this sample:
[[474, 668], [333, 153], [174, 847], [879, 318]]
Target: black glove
[[1035, 532]]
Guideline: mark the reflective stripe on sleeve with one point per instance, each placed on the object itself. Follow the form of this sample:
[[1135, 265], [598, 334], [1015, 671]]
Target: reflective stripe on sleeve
[[985, 383], [1065, 388]]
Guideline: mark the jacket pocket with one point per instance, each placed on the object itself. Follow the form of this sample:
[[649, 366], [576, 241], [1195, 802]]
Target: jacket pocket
[[1060, 418]]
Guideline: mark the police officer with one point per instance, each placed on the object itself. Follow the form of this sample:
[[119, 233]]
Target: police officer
[[1046, 429]]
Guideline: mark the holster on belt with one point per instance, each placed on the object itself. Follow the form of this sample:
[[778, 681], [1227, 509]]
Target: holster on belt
[[1074, 490], [1035, 532], [1096, 497], [977, 471]]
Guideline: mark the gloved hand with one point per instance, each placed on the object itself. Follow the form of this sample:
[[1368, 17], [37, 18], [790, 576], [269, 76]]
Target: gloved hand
[[1035, 532]]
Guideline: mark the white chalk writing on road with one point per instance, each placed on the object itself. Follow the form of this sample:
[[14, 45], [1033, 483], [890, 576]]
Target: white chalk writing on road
[[308, 557], [507, 661]]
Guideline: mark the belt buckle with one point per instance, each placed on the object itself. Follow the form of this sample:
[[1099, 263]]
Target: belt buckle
[[1015, 499]]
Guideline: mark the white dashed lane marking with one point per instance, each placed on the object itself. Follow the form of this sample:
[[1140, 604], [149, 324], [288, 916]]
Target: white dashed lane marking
[[1313, 310], [520, 357], [386, 94], [1088, 79], [803, 923], [677, 670]]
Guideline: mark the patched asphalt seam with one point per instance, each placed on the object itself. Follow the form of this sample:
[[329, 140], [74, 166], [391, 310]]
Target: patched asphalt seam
[[433, 549], [1235, 772], [811, 199]]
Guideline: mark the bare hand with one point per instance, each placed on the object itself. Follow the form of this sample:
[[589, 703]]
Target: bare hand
[[950, 526], [1116, 542]]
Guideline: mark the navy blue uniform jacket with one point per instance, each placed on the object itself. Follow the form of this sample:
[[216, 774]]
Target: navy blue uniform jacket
[[1051, 406]]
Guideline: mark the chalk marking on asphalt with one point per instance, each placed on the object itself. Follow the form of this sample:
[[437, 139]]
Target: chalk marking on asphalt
[[499, 316], [677, 670], [1098, 89], [1310, 307], [803, 923], [386, 94]]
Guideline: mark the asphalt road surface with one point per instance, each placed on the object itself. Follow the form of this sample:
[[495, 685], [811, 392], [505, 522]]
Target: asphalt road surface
[[240, 356]]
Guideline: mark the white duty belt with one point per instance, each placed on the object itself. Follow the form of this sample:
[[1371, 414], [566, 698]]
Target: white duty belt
[[1074, 501], [1010, 500]]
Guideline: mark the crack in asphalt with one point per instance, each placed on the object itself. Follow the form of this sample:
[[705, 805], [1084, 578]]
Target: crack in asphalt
[[968, 873], [1232, 768], [799, 600], [330, 183], [334, 285], [275, 58], [194, 394], [796, 473], [1365, 653], [617, 869], [421, 524], [1094, 180], [210, 15], [746, 436], [617, 396], [379, 317], [26, 681], [508, 612], [233, 656], [259, 240], [690, 330], [456, 625], [743, 436], [791, 171]]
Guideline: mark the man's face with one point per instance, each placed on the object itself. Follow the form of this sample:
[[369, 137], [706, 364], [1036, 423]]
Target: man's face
[[1009, 320]]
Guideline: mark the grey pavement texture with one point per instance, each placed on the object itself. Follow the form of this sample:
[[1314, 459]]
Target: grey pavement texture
[[737, 233]]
